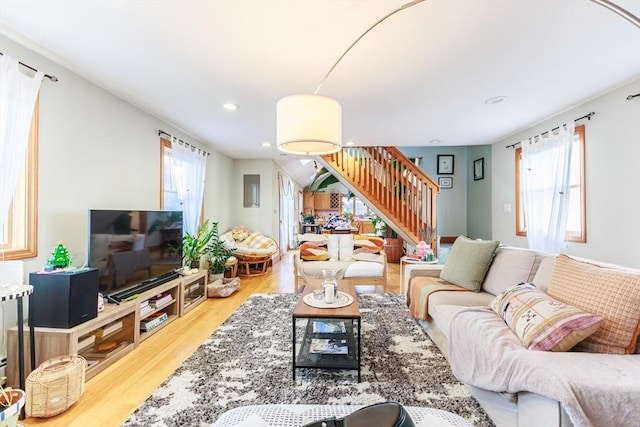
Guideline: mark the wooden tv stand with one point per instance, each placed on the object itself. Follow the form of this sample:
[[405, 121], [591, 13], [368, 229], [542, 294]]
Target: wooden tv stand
[[117, 330]]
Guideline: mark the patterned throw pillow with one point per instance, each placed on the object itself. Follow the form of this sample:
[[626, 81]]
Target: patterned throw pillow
[[468, 262], [543, 323], [239, 233], [367, 244], [610, 292], [311, 252]]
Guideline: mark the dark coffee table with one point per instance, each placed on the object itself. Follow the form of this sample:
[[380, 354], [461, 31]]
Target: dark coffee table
[[350, 315]]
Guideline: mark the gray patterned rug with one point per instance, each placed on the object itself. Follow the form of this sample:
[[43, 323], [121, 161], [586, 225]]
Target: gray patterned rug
[[247, 361]]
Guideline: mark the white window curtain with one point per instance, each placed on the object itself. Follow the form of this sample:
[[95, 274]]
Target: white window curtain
[[545, 179], [17, 100], [287, 212], [188, 168]]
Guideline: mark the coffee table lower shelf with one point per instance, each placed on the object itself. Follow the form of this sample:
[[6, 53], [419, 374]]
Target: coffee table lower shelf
[[306, 359]]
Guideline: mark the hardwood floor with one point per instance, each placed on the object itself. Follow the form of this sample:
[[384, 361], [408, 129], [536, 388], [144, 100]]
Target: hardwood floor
[[112, 395]]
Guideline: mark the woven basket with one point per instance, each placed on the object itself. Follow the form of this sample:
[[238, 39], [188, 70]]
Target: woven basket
[[55, 385]]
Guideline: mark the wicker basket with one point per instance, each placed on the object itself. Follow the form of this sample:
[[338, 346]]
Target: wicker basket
[[55, 385]]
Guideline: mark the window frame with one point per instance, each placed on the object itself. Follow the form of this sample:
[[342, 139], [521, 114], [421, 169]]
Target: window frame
[[571, 236], [28, 217]]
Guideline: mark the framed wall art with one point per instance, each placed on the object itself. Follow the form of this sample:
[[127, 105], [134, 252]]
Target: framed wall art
[[445, 182], [445, 164], [478, 169]]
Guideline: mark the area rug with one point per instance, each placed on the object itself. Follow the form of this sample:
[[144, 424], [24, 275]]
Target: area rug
[[247, 361]]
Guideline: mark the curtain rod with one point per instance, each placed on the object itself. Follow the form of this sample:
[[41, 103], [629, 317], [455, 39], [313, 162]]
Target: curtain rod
[[49, 76], [586, 116], [161, 132]]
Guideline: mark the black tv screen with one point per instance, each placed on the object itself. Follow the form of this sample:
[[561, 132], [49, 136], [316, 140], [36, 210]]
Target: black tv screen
[[131, 247]]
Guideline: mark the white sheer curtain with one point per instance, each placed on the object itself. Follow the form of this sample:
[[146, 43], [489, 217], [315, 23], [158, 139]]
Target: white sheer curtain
[[17, 100], [287, 212], [545, 179], [188, 167]]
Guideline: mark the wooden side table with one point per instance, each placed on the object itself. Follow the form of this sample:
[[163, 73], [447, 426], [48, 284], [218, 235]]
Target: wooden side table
[[232, 266]]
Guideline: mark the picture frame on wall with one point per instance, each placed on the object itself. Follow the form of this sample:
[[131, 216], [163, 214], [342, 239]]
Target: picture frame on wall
[[478, 169], [445, 182], [445, 164]]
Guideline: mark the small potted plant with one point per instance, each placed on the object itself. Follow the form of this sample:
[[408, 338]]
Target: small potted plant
[[218, 254], [195, 246], [11, 403]]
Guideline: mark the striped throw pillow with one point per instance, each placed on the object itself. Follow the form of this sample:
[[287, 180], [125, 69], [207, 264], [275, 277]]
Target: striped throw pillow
[[541, 322], [311, 252]]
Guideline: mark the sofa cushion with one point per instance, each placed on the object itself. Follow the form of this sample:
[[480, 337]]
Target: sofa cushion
[[311, 252], [346, 246], [509, 266], [333, 246], [468, 262], [258, 240], [318, 239], [364, 269], [541, 322], [609, 292]]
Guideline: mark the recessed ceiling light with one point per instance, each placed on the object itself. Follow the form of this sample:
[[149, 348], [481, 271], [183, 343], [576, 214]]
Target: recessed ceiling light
[[435, 141], [230, 107], [266, 144], [495, 99], [350, 143]]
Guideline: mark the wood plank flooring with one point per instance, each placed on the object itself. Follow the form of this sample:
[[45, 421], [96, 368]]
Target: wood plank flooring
[[112, 395]]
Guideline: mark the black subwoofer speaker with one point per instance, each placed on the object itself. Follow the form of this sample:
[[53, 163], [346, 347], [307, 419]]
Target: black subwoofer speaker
[[63, 300]]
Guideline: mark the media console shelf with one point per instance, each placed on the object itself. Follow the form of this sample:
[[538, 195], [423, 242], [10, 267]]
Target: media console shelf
[[117, 330], [101, 341]]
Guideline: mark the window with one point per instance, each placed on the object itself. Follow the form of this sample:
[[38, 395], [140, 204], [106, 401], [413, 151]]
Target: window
[[19, 236], [576, 223], [355, 206], [168, 192]]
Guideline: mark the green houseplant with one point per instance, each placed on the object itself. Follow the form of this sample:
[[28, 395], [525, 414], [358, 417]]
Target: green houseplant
[[195, 246], [217, 252]]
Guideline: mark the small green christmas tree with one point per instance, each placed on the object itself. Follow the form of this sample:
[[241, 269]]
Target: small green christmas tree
[[59, 257]]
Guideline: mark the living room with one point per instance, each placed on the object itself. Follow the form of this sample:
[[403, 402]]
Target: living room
[[98, 151]]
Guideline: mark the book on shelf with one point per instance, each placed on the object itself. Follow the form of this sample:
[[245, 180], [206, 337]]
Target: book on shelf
[[146, 310], [108, 329], [161, 299], [329, 327], [328, 346], [153, 321]]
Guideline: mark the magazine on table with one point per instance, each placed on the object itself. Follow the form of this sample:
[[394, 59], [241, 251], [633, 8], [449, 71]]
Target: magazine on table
[[329, 327], [328, 346]]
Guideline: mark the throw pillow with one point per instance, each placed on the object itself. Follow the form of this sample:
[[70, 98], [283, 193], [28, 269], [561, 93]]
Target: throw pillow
[[240, 233], [541, 322], [311, 252], [610, 292], [372, 244], [468, 262]]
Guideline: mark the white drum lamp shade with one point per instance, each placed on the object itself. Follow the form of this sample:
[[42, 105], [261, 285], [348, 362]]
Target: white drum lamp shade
[[308, 125]]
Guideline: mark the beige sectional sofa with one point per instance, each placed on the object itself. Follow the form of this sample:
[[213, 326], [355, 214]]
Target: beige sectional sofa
[[340, 252], [521, 387]]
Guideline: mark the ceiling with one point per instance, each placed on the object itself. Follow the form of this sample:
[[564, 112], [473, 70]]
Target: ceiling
[[422, 75]]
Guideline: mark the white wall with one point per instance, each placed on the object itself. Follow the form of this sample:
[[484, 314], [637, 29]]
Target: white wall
[[612, 180], [452, 203], [97, 151]]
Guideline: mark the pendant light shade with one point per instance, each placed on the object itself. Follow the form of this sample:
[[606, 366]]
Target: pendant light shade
[[308, 125]]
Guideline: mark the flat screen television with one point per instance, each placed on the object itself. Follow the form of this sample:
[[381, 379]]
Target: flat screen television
[[134, 250]]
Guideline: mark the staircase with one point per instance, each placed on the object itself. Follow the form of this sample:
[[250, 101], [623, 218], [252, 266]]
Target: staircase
[[393, 187]]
